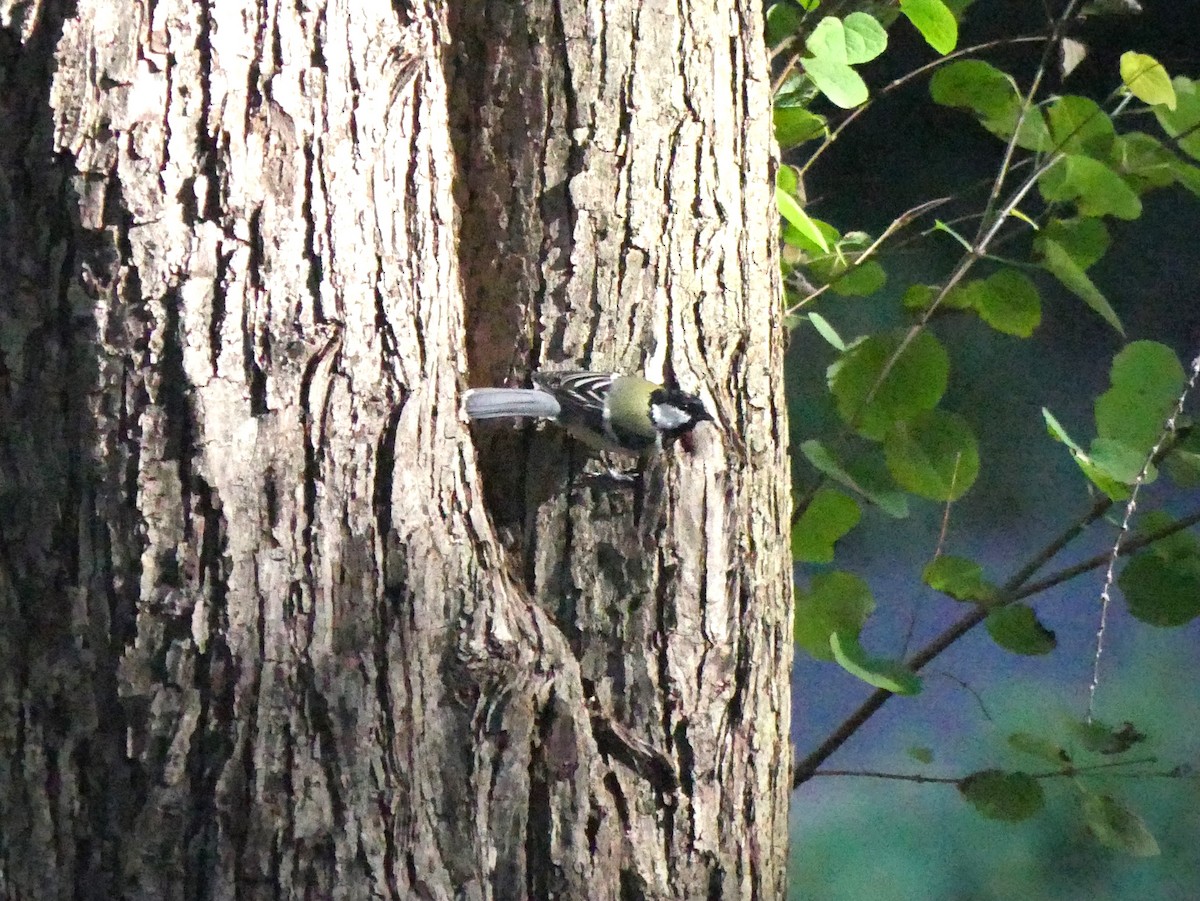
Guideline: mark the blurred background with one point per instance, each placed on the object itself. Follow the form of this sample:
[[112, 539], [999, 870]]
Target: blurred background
[[867, 838]]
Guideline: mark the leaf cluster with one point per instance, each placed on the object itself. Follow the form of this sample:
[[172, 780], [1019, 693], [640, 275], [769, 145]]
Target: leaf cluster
[[1067, 168]]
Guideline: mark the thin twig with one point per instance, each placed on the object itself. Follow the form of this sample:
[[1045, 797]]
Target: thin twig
[[894, 226], [1066, 772], [905, 79], [1011, 592], [1167, 435]]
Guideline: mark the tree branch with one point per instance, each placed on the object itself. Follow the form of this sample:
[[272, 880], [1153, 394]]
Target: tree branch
[[1010, 593]]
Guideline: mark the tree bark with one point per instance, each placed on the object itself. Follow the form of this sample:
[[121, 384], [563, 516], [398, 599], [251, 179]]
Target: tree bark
[[260, 635]]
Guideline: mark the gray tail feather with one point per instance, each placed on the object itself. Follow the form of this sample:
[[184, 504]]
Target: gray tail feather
[[497, 403]]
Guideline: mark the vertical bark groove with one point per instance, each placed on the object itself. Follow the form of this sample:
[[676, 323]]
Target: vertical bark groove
[[258, 636]]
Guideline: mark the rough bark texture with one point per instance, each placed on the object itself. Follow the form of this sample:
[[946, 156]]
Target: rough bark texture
[[258, 637]]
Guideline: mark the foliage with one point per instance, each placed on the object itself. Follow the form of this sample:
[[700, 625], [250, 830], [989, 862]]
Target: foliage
[[1068, 171]]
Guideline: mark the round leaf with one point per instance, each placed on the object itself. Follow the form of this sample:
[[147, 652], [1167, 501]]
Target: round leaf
[[1000, 795], [859, 281], [958, 577], [1016, 628], [1183, 122], [830, 516], [1146, 379], [1101, 738], [1143, 160], [933, 455], [836, 602], [1079, 125], [837, 81], [993, 97], [1008, 301], [974, 85], [857, 39], [1162, 592], [1147, 80], [873, 400], [1084, 240], [1094, 187], [783, 19]]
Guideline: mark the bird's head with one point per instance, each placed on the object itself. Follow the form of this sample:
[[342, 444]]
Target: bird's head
[[675, 412]]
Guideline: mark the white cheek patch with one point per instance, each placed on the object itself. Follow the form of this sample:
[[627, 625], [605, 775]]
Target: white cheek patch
[[669, 417]]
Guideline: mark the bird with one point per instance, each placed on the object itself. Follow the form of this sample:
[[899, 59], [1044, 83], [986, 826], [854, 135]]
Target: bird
[[605, 410]]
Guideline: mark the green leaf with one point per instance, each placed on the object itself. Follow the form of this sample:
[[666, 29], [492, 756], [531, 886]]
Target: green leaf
[[837, 81], [1179, 545], [920, 754], [826, 331], [795, 125], [836, 602], [1099, 471], [993, 97], [787, 179], [933, 455], [858, 39], [893, 503], [935, 22], [1146, 379], [1116, 826], [1144, 160], [1008, 301], [792, 237], [871, 399], [1059, 433], [1118, 461], [1079, 126], [791, 210], [859, 281], [976, 86], [1187, 175], [1016, 628], [844, 269], [783, 19], [1183, 463], [1058, 262], [1094, 188], [1162, 592], [1183, 122], [958, 577], [1147, 80], [1084, 240], [1101, 738], [1037, 746], [829, 516], [1001, 795], [890, 675], [919, 297]]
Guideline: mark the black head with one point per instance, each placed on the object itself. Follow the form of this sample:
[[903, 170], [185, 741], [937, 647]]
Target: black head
[[676, 412]]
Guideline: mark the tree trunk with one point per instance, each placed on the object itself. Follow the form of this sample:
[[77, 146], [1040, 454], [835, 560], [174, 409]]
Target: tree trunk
[[265, 630]]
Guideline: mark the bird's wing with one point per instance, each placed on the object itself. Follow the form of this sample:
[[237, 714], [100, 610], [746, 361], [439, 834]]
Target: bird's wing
[[577, 389]]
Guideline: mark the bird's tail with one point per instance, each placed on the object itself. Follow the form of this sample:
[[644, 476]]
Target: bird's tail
[[497, 403]]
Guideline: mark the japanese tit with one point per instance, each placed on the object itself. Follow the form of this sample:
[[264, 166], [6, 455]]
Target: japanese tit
[[605, 410]]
